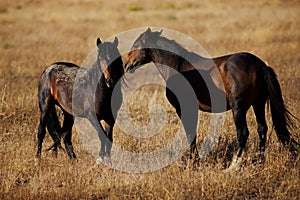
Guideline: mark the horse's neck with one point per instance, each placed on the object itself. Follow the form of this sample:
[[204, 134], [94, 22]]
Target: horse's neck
[[194, 61], [93, 73], [169, 64], [164, 62]]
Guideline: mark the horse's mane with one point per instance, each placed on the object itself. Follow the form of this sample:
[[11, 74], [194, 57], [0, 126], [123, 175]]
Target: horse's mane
[[177, 50], [170, 45]]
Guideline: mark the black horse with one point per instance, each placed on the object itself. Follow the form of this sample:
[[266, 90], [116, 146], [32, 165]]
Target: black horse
[[235, 82], [81, 92]]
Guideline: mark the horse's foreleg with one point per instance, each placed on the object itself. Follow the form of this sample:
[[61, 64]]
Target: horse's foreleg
[[101, 134], [109, 132], [190, 126], [187, 111]]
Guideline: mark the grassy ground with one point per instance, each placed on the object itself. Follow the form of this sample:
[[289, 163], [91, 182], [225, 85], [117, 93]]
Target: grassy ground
[[34, 34]]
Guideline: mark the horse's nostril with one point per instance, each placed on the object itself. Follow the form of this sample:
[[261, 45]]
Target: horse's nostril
[[128, 67], [107, 81]]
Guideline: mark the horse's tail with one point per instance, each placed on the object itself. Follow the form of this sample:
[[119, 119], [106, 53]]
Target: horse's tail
[[54, 128], [281, 117]]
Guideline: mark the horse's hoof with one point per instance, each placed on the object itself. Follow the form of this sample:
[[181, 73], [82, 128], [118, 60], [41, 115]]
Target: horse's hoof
[[37, 161], [99, 161], [107, 161], [258, 160], [235, 165]]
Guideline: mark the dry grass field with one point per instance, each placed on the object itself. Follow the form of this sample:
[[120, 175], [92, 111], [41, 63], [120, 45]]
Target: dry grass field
[[34, 34]]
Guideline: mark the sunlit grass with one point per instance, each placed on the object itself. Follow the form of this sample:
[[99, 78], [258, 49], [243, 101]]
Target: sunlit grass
[[135, 8], [34, 36]]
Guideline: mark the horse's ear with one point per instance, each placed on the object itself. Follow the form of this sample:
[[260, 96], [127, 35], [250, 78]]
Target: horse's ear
[[160, 32], [116, 41], [148, 31], [98, 41]]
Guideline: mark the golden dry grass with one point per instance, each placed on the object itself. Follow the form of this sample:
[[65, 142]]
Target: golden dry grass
[[35, 34]]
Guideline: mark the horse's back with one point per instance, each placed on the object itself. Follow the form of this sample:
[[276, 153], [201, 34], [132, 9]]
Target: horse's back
[[56, 73], [57, 82]]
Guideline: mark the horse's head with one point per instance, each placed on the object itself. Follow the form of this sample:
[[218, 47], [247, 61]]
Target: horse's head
[[110, 61], [140, 51]]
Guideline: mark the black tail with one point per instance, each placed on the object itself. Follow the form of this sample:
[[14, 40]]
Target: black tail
[[54, 129], [280, 115], [47, 103]]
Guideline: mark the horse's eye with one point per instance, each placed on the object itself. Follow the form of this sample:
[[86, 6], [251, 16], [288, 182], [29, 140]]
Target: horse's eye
[[136, 46]]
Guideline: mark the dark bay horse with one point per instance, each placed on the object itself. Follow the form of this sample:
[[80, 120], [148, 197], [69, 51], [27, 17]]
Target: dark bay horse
[[81, 92], [237, 82]]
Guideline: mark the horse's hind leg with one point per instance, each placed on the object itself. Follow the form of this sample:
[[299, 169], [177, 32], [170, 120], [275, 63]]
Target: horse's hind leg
[[54, 130], [239, 116], [67, 134], [44, 106], [41, 132], [262, 128]]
